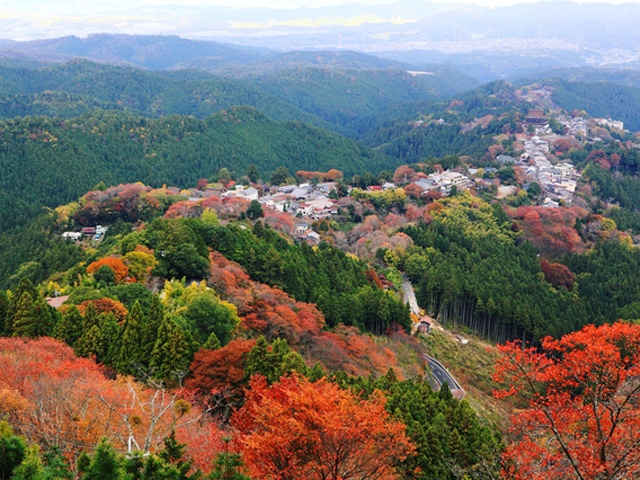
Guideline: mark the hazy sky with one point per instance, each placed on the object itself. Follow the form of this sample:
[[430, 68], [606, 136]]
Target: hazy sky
[[84, 7], [30, 19]]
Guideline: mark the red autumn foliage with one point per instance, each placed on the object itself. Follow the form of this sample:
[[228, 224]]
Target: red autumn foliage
[[280, 221], [583, 408], [345, 348], [56, 398], [262, 309], [105, 305], [413, 190], [403, 174], [116, 264], [217, 370], [434, 195], [330, 176], [184, 209], [558, 275], [297, 429], [128, 201], [552, 229], [373, 279], [202, 184], [434, 208]]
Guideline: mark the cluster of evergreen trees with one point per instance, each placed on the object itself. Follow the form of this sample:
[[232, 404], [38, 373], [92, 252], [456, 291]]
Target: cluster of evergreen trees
[[153, 343], [327, 276], [22, 462]]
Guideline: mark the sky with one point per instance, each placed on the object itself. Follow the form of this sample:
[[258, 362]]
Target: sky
[[32, 19]]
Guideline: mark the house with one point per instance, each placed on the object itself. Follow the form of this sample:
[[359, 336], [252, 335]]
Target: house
[[504, 159], [248, 193], [72, 236], [326, 187], [301, 192], [300, 229], [304, 209], [88, 231], [424, 326]]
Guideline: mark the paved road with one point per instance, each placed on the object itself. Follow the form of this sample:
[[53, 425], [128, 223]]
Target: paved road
[[410, 297], [439, 375]]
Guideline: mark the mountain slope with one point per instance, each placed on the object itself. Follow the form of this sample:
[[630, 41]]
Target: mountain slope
[[49, 161]]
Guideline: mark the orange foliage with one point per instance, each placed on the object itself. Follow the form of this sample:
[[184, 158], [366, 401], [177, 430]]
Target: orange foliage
[[297, 429], [105, 305], [552, 229], [217, 370], [582, 398], [116, 264], [263, 309], [184, 209], [56, 398], [330, 176]]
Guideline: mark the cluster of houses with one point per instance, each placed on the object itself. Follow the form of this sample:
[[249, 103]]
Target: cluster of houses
[[558, 181], [443, 182], [93, 233], [574, 126], [607, 122]]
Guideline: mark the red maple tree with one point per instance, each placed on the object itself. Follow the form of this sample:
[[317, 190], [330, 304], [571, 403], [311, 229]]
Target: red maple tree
[[314, 430], [583, 414]]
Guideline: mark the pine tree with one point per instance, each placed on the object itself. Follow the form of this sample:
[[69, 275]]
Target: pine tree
[[110, 331], [31, 466], [23, 320], [152, 326], [172, 351], [104, 464], [69, 328], [55, 467], [5, 314], [130, 354], [90, 317], [12, 451], [227, 465], [212, 343], [91, 344]]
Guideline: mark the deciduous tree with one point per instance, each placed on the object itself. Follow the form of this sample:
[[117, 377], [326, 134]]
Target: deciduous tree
[[299, 429], [583, 397]]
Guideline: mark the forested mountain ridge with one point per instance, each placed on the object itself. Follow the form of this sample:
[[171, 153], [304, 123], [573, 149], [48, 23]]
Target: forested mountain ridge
[[80, 86], [49, 161], [156, 52]]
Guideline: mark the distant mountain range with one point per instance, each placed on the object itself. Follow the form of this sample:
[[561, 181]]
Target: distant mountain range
[[543, 34]]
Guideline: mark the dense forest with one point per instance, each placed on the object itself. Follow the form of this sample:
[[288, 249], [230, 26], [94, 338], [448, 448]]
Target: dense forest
[[200, 334], [38, 153]]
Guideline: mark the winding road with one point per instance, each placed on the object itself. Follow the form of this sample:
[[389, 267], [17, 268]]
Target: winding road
[[439, 375]]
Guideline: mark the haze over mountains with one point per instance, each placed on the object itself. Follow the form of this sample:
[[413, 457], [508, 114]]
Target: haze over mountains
[[559, 34]]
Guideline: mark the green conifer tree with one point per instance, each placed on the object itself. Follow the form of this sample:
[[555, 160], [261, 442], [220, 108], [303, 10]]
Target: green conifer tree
[[91, 344], [110, 331], [90, 317], [212, 343], [12, 451], [5, 314], [227, 465], [152, 326], [130, 356], [69, 328], [31, 467], [104, 464], [55, 467], [172, 352], [23, 320]]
